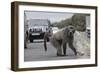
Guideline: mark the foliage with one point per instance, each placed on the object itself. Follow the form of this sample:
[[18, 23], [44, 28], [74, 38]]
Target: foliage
[[62, 23], [77, 20]]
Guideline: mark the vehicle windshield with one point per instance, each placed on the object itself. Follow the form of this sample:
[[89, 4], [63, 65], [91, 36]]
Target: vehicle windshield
[[40, 25]]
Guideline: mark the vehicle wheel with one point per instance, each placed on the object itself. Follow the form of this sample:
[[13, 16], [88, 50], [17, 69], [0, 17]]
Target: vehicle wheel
[[25, 46], [47, 39], [31, 40]]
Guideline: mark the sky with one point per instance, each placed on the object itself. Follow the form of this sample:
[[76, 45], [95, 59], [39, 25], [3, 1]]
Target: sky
[[52, 16]]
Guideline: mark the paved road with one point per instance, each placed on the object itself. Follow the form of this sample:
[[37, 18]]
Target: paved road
[[36, 52]]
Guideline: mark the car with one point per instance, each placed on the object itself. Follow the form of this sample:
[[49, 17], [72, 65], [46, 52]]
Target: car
[[35, 33], [37, 28], [88, 32]]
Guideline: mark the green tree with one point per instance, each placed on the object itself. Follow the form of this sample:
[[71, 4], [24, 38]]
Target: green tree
[[79, 21], [62, 23]]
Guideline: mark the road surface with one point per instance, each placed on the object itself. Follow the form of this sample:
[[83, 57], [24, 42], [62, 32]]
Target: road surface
[[36, 52]]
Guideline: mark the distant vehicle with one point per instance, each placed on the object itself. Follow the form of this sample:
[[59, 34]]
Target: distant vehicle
[[88, 26], [55, 29], [88, 32], [37, 28]]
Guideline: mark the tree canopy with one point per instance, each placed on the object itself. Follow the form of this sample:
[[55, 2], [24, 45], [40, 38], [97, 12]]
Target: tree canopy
[[77, 20]]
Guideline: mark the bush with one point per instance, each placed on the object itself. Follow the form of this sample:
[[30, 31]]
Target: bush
[[77, 20]]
